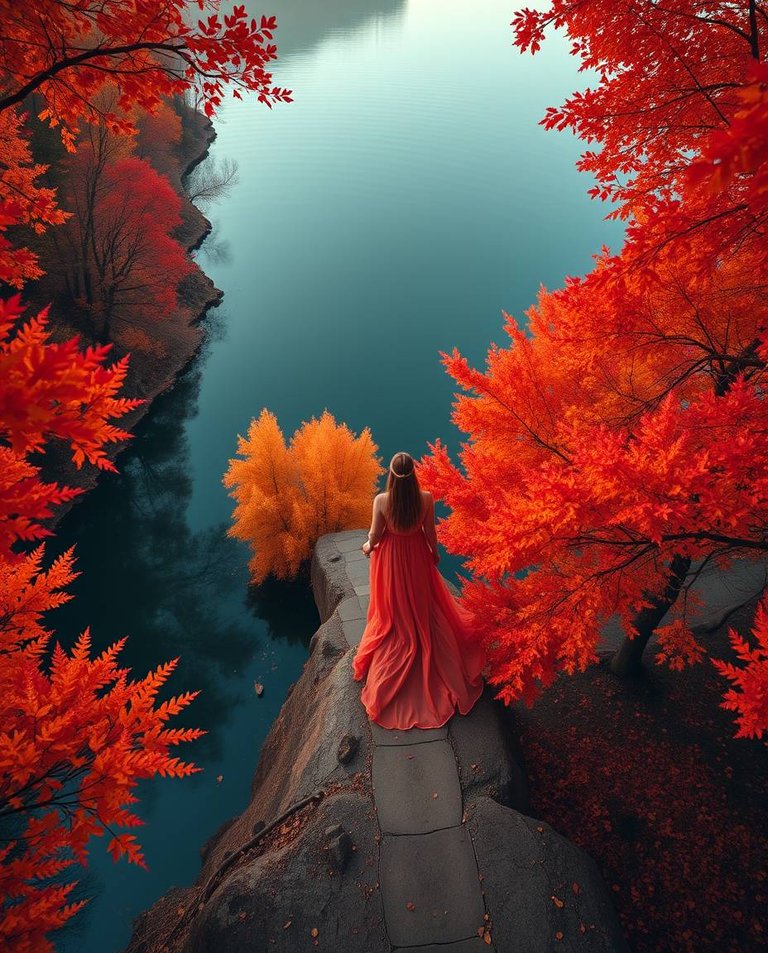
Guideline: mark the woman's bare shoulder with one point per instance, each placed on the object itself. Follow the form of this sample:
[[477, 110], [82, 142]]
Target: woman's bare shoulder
[[426, 495]]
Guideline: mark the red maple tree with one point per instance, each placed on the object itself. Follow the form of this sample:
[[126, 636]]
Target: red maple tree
[[117, 253], [68, 53], [616, 447], [77, 733]]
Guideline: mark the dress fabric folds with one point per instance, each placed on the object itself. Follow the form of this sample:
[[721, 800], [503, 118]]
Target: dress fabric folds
[[419, 653]]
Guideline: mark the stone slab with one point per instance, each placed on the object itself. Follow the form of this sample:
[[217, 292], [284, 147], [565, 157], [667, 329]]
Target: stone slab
[[355, 556], [353, 631], [351, 609], [410, 736], [437, 873], [362, 591], [471, 945], [358, 572], [348, 544], [416, 787]]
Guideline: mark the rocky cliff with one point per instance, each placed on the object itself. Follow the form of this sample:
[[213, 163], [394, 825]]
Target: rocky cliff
[[338, 849]]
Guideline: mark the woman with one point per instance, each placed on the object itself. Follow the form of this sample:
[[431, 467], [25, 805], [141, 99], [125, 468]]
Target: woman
[[419, 652]]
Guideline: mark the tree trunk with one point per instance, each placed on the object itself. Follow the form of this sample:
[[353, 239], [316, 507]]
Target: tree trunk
[[628, 660]]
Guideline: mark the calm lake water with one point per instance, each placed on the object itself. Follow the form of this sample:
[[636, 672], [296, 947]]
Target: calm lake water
[[392, 211]]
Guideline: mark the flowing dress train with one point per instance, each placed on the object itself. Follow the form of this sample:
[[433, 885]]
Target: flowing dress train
[[419, 653]]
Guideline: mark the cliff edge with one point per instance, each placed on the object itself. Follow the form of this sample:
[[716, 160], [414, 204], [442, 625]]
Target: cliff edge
[[362, 840]]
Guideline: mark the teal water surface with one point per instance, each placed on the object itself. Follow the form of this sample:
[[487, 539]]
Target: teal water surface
[[392, 211]]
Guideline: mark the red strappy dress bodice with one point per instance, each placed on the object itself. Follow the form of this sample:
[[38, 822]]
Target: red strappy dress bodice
[[419, 653]]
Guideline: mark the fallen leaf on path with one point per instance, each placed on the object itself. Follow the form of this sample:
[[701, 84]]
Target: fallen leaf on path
[[410, 906]]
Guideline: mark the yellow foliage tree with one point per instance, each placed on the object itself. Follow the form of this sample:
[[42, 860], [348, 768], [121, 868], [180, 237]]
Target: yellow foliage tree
[[288, 496]]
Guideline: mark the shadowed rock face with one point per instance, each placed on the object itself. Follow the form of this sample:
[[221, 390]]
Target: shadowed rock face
[[544, 893], [318, 869], [276, 900]]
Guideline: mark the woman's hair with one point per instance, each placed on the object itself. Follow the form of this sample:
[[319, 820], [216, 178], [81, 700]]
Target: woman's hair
[[404, 492]]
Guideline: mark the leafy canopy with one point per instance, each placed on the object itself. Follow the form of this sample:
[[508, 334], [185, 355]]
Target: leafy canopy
[[287, 496]]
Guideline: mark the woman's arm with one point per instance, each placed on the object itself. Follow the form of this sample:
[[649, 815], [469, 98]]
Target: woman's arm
[[377, 527], [428, 524]]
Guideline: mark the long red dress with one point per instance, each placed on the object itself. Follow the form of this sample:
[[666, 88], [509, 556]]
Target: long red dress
[[419, 652]]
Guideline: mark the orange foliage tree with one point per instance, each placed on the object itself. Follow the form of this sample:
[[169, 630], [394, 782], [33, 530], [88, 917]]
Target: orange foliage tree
[[67, 53], [77, 734], [287, 496], [617, 447]]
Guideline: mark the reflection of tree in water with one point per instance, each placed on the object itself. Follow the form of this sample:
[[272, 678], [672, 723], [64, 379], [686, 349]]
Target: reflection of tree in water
[[171, 591], [147, 576], [287, 607], [303, 24], [215, 250]]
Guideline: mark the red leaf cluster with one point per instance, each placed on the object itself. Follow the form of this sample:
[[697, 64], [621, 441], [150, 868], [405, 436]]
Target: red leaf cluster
[[70, 53], [49, 391], [624, 427], [749, 695], [77, 733]]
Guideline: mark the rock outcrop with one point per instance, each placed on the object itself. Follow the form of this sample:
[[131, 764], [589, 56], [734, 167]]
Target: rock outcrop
[[300, 869]]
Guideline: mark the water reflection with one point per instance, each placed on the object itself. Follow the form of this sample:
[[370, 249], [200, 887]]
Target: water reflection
[[284, 606], [215, 249], [175, 592], [146, 575], [302, 26]]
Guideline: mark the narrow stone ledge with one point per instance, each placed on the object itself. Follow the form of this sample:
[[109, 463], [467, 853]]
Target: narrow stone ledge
[[428, 774], [350, 543], [425, 891], [358, 572], [351, 609], [436, 873]]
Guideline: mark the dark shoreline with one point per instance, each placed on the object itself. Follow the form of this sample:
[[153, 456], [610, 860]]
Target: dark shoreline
[[148, 377]]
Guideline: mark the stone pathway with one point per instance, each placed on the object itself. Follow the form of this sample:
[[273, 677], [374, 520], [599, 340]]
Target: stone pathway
[[428, 874]]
